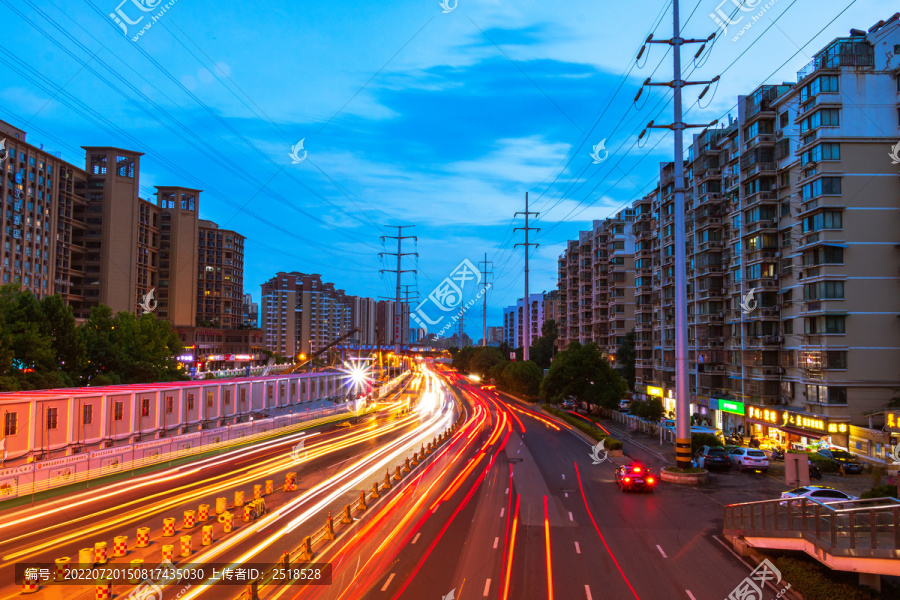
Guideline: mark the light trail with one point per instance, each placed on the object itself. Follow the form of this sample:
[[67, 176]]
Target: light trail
[[547, 541]]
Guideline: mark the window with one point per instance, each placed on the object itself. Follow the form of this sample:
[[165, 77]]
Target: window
[[170, 404], [783, 120], [823, 220], [826, 185], [118, 410], [822, 83], [227, 398], [269, 392], [145, 407], [190, 402], [826, 395], [243, 395], [824, 290], [826, 255], [835, 324], [10, 423], [824, 117], [87, 414], [824, 151], [51, 418]]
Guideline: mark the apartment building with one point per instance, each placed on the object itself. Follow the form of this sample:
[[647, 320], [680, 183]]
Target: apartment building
[[793, 230], [249, 312], [597, 284], [220, 273], [543, 306]]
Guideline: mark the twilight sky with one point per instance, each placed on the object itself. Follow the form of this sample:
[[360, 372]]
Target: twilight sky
[[408, 114]]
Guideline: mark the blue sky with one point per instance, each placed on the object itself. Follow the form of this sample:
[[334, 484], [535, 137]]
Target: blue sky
[[409, 115]]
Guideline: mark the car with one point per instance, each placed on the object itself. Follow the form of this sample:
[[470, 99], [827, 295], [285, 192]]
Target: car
[[709, 457], [635, 477], [820, 493], [625, 404], [568, 404], [749, 458], [843, 458]]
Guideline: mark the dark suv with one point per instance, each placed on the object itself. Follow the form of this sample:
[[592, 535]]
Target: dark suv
[[709, 457], [843, 458]]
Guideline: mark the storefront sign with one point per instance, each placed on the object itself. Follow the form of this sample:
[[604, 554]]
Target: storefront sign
[[892, 419], [731, 406], [654, 391], [766, 415], [243, 357], [813, 423]]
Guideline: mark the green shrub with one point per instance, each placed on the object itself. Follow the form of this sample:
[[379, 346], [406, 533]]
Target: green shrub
[[825, 464], [582, 425], [703, 439], [688, 470], [816, 582], [881, 491]]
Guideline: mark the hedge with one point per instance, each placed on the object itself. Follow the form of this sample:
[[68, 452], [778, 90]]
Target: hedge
[[825, 464], [816, 582], [582, 425], [881, 491], [688, 470]]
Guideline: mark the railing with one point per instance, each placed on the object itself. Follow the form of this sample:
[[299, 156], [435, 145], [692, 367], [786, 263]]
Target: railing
[[861, 528]]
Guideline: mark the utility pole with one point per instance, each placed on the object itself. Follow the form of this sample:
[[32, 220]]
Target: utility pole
[[484, 285], [398, 326], [526, 327], [682, 389], [462, 328]]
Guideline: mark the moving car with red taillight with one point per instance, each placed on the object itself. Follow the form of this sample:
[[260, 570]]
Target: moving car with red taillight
[[635, 477]]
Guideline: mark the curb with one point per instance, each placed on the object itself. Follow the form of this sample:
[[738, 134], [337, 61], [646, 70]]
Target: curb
[[684, 478]]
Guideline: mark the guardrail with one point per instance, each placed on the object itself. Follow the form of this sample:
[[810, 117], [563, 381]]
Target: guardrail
[[637, 424], [861, 528]]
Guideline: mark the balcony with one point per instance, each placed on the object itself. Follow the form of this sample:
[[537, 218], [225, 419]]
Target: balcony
[[765, 225], [758, 198]]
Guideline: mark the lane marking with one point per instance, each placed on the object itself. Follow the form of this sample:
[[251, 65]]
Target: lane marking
[[658, 547], [416, 539], [387, 583], [517, 451], [496, 541], [564, 475], [502, 512], [566, 494], [690, 595], [570, 516], [587, 592], [577, 548], [487, 587], [507, 490]]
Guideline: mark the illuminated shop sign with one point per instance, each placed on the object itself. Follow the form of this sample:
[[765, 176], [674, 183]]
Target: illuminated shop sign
[[731, 406], [766, 415], [654, 391], [892, 419]]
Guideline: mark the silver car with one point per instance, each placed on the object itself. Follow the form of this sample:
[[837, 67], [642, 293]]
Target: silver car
[[749, 458]]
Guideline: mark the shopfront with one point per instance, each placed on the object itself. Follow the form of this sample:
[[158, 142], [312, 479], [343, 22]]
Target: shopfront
[[795, 430], [729, 414]]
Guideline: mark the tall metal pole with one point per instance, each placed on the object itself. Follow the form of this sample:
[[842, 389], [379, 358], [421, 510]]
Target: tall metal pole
[[682, 389], [484, 287], [398, 312], [526, 326]]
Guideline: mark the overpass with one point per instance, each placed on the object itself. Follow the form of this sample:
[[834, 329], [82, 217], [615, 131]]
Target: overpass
[[860, 536]]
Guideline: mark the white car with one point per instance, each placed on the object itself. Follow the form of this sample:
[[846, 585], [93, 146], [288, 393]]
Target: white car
[[749, 458], [821, 493]]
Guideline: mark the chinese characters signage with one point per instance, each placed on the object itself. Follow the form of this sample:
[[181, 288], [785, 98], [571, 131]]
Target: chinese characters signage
[[892, 419], [731, 406], [766, 415], [816, 423]]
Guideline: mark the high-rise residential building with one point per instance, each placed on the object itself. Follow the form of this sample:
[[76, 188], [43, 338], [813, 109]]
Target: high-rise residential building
[[596, 284], [179, 254], [495, 336], [385, 315], [793, 225], [540, 305], [220, 270], [364, 313], [250, 312]]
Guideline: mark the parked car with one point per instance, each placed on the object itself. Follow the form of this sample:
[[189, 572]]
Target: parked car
[[669, 424], [709, 457], [749, 458], [821, 493], [625, 403], [635, 477], [843, 458]]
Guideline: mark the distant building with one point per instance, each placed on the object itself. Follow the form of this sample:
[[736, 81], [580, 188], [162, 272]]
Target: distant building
[[249, 312], [220, 268], [514, 319]]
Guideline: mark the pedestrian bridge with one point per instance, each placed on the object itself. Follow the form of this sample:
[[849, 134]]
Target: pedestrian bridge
[[861, 536]]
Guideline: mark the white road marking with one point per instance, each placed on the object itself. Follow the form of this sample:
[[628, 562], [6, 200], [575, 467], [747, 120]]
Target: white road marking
[[388, 582], [416, 539], [690, 595], [496, 541], [587, 592], [487, 587], [507, 490], [577, 548], [566, 494], [658, 547], [570, 516], [502, 512], [517, 451], [564, 475]]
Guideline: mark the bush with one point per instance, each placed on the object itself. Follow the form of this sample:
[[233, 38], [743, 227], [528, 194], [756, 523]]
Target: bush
[[688, 470], [825, 464], [816, 582], [582, 425], [703, 439], [881, 491]]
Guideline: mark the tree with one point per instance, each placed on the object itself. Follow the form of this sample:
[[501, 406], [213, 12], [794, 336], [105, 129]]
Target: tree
[[652, 409], [462, 358], [626, 358], [542, 349], [483, 359], [522, 378], [581, 371]]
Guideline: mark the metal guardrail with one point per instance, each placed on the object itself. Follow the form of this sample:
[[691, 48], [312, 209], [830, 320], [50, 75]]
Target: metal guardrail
[[638, 424], [863, 528]]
